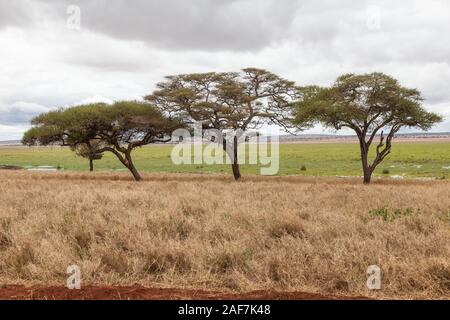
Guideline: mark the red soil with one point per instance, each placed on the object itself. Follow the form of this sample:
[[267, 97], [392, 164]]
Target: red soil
[[141, 293]]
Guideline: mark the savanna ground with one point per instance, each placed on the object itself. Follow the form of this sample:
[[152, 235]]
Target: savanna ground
[[208, 233]]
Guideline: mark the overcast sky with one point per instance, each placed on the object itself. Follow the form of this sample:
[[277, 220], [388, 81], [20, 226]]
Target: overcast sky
[[123, 48]]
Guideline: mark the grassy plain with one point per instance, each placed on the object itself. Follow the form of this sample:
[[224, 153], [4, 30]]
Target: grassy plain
[[208, 232], [408, 159]]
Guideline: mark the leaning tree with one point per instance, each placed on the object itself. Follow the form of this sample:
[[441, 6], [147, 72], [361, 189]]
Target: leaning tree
[[227, 102], [119, 128], [372, 105]]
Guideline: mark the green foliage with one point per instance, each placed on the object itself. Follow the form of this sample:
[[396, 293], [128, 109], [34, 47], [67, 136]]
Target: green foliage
[[390, 215], [447, 216], [111, 125], [386, 171], [89, 150], [303, 168], [354, 101]]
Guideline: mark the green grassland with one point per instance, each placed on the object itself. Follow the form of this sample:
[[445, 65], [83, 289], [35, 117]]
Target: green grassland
[[408, 159]]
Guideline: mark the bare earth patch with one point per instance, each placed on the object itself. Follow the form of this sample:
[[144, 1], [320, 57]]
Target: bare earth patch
[[141, 293]]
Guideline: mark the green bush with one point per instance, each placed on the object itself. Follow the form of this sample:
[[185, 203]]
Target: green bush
[[447, 216], [390, 215]]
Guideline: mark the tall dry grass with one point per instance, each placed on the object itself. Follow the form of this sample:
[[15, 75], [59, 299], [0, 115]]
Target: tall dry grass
[[207, 231]]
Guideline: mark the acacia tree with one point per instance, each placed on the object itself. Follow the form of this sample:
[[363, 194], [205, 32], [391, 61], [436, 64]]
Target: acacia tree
[[373, 105], [227, 101], [89, 151], [119, 128]]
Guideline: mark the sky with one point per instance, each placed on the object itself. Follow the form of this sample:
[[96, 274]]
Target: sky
[[58, 53]]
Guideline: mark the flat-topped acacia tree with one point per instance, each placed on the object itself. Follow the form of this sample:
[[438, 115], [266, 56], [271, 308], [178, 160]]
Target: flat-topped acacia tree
[[119, 128], [369, 104], [236, 101]]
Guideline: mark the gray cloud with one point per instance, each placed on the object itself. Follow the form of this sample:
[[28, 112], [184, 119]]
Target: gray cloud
[[197, 24], [126, 47], [20, 113], [14, 13]]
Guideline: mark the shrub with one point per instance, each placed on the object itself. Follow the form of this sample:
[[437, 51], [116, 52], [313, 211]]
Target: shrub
[[114, 262], [223, 262], [292, 229], [157, 262], [303, 168], [440, 274], [391, 215], [386, 171], [5, 240], [9, 167], [446, 217]]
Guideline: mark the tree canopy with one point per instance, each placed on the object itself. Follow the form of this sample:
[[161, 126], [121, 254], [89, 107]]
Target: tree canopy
[[89, 151], [371, 105], [118, 128]]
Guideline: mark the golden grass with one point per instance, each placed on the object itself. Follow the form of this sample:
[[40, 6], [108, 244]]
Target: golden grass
[[209, 232]]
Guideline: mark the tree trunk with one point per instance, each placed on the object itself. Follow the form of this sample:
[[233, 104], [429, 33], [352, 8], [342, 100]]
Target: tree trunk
[[234, 158], [235, 162], [367, 171], [236, 171], [367, 176], [132, 168], [135, 173], [91, 165]]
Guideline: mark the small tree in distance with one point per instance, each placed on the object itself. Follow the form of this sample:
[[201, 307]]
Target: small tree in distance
[[371, 105], [89, 151], [227, 101], [119, 128]]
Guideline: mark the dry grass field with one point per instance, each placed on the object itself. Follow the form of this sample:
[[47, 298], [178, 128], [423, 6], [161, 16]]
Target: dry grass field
[[314, 235]]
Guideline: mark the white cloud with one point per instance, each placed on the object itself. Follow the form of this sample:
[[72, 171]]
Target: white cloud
[[12, 132], [95, 99]]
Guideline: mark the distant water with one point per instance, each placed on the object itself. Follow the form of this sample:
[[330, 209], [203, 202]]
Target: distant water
[[10, 143], [306, 136]]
